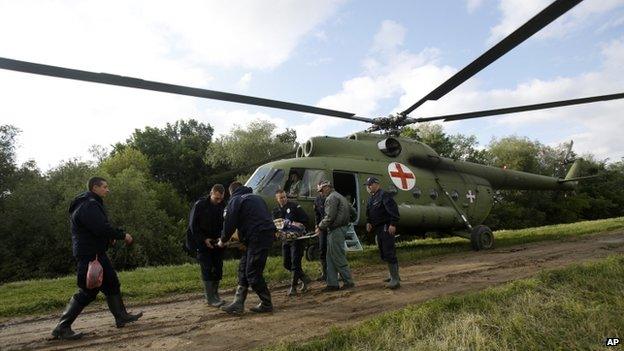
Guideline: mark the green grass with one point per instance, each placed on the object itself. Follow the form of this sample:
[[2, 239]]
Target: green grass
[[146, 284], [574, 308]]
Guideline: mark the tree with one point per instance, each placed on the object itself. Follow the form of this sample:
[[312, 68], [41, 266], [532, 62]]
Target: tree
[[175, 154], [27, 220], [458, 146], [245, 146], [520, 209], [8, 133]]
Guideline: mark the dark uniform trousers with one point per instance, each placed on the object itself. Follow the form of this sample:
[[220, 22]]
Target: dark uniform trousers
[[211, 264], [385, 243], [252, 263], [292, 252], [110, 283]]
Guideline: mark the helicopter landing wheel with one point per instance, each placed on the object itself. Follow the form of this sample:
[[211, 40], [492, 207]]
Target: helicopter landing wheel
[[312, 253], [481, 238]]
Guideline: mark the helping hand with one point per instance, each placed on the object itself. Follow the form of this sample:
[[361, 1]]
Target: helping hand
[[391, 230], [128, 239], [208, 243]]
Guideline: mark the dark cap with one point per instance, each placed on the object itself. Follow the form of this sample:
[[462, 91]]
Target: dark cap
[[371, 180]]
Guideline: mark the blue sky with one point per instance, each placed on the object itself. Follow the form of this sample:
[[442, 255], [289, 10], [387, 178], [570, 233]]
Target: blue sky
[[367, 57]]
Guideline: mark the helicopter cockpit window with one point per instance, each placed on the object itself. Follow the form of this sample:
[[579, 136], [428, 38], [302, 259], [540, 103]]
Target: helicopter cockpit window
[[293, 183], [311, 177], [257, 177], [275, 181]]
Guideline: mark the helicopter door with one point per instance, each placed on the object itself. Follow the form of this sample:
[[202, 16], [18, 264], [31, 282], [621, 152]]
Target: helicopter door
[[347, 185]]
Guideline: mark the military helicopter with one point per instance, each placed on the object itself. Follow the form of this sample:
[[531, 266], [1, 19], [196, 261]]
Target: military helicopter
[[433, 192]]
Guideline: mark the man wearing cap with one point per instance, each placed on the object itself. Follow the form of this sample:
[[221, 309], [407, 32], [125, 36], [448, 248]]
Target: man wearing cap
[[336, 222], [382, 215], [319, 213], [249, 214], [292, 250]]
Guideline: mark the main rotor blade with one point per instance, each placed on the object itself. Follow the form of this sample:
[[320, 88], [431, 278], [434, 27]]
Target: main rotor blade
[[112, 79], [502, 111], [535, 24]]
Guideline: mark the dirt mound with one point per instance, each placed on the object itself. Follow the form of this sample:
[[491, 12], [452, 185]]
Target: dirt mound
[[190, 324]]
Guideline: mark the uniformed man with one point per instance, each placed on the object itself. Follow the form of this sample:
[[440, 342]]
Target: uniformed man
[[292, 250], [91, 235], [295, 185], [336, 223], [249, 214], [382, 216], [319, 213], [205, 226]]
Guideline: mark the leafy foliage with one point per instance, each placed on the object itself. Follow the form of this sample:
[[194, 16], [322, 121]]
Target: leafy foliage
[[244, 146], [175, 154], [7, 155], [158, 171]]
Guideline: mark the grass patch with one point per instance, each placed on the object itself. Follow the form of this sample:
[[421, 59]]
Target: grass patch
[[574, 308], [146, 284]]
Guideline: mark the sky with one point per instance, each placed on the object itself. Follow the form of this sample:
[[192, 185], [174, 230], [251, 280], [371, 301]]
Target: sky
[[371, 58]]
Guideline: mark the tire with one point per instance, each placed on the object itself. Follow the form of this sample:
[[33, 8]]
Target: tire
[[312, 253], [481, 238]]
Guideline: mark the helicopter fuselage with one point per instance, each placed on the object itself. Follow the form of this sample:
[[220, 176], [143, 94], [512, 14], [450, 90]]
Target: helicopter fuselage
[[433, 193]]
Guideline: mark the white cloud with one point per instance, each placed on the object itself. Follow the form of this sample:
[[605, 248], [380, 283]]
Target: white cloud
[[407, 77], [472, 5], [120, 35], [389, 37], [224, 120], [387, 71], [600, 123], [155, 40], [517, 12], [63, 126], [244, 81]]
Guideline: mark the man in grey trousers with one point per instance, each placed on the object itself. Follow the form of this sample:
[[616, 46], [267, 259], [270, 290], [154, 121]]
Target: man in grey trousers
[[336, 223]]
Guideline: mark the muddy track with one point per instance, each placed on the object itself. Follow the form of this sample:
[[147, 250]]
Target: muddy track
[[190, 324]]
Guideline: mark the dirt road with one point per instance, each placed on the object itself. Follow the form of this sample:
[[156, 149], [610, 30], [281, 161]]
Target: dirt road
[[191, 325]]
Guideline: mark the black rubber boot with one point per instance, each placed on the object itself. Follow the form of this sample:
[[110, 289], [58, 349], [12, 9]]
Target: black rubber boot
[[63, 330], [216, 292], [292, 291], [305, 280], [394, 282], [265, 304], [210, 295], [117, 308], [238, 305]]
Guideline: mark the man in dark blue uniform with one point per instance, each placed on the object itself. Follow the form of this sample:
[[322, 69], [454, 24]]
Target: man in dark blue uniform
[[382, 215], [248, 214], [292, 250], [319, 213], [91, 234], [205, 226]]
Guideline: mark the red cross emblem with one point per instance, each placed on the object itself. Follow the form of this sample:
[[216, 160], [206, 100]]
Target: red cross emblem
[[401, 176]]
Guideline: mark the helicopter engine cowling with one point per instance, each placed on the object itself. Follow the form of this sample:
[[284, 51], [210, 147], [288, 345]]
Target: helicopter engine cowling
[[299, 152], [390, 147], [340, 147]]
